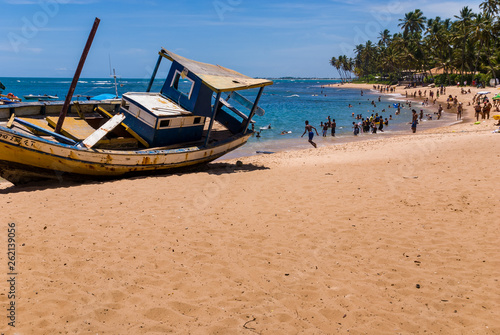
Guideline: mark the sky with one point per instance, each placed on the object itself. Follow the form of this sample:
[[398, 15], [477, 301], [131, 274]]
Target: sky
[[272, 39]]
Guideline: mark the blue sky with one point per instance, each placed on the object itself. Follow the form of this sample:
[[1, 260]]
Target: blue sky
[[45, 38]]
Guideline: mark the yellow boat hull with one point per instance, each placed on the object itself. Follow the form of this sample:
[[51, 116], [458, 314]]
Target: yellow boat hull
[[25, 158]]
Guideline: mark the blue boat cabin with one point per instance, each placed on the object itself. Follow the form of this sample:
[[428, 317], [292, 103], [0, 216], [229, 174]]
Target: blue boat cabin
[[191, 95]]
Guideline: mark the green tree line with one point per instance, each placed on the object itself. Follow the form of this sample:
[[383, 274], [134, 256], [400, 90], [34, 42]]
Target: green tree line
[[465, 48]]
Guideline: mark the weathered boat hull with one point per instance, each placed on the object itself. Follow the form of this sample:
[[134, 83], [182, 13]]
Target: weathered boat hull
[[25, 158], [187, 123]]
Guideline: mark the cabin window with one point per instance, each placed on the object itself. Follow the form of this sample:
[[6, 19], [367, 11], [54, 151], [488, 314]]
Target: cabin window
[[164, 123], [197, 120], [182, 85]]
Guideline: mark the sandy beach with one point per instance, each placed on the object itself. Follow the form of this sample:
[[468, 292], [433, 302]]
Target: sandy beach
[[454, 91], [398, 235]]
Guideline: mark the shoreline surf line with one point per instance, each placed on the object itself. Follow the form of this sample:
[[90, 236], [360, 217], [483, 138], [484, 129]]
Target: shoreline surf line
[[293, 144]]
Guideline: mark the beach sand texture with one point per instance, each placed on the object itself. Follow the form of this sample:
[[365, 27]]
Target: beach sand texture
[[393, 236]]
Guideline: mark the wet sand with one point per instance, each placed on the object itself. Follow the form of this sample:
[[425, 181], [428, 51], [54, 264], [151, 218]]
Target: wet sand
[[395, 235]]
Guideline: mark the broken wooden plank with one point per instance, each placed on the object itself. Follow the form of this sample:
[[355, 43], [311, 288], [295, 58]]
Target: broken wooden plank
[[41, 123], [76, 104], [96, 136], [11, 121], [74, 127], [105, 113], [57, 136]]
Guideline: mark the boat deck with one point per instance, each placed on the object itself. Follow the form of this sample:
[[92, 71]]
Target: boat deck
[[78, 129]]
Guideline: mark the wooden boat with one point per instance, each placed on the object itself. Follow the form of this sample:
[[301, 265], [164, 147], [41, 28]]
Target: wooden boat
[[8, 99], [188, 122], [40, 97]]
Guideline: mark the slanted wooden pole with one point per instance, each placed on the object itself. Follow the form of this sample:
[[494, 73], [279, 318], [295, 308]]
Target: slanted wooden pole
[[154, 73], [252, 112], [212, 119], [69, 96]]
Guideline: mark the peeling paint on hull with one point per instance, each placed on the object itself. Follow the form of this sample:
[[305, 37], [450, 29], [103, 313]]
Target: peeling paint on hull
[[25, 158]]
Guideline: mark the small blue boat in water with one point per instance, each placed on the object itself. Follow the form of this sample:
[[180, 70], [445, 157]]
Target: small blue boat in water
[[105, 96]]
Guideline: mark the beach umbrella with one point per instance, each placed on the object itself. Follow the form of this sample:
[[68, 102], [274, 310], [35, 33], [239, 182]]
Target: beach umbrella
[[496, 97]]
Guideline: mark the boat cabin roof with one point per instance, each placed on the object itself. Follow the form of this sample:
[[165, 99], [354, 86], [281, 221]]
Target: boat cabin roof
[[218, 78], [155, 103]]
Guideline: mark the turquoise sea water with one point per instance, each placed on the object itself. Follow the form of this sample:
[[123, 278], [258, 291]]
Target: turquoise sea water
[[288, 103]]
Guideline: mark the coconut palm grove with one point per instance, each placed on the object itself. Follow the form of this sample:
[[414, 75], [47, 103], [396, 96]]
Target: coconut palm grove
[[431, 50]]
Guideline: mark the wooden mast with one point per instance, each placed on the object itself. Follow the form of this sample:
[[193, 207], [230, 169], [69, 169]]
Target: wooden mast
[[153, 75], [69, 96]]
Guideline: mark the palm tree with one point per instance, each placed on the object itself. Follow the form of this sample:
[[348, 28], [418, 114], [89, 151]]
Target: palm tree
[[412, 25], [335, 63], [479, 27], [413, 22], [471, 42], [390, 62], [437, 42], [341, 63], [384, 38], [344, 66], [490, 7], [464, 32], [358, 63], [488, 38], [348, 66]]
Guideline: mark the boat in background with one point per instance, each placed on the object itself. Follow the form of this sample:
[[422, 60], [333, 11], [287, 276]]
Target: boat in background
[[8, 99], [189, 122], [105, 96], [108, 96], [40, 97]]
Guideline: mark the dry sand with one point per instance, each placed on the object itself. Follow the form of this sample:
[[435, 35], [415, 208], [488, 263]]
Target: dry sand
[[393, 236]]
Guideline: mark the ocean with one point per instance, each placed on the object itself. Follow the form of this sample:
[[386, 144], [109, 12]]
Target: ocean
[[288, 103]]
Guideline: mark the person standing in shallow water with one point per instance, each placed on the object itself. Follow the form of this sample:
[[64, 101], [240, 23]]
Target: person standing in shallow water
[[333, 125], [355, 129], [325, 129], [309, 129], [414, 120]]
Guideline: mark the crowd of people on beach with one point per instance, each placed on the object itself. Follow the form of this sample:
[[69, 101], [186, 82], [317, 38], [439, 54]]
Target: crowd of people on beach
[[373, 123], [376, 122]]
